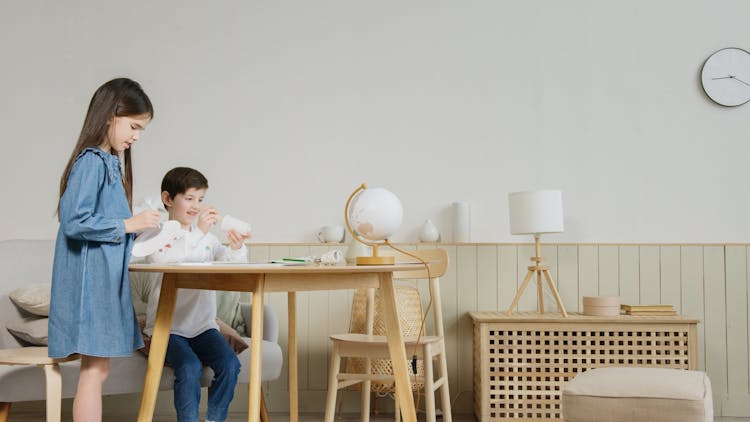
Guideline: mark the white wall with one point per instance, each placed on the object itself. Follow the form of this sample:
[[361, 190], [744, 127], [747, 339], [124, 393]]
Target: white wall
[[288, 106]]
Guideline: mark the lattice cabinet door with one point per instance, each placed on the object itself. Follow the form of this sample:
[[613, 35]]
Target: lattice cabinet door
[[522, 361]]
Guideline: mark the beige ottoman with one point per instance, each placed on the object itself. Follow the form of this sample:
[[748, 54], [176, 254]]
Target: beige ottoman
[[638, 394]]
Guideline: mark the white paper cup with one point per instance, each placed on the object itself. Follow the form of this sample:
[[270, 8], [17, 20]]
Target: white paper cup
[[230, 223]]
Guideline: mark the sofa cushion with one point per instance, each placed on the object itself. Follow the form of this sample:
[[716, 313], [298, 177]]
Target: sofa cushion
[[33, 298], [126, 375], [228, 310], [31, 330], [233, 337], [140, 287]]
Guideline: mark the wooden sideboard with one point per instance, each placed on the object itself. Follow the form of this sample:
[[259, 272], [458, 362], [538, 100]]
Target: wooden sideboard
[[522, 361]]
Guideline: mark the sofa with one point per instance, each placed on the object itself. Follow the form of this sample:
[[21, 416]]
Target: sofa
[[29, 262]]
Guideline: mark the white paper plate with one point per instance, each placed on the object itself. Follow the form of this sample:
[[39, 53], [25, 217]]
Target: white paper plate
[[150, 241]]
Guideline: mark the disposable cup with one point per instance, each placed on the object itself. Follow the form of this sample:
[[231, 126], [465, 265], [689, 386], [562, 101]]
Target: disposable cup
[[230, 223]]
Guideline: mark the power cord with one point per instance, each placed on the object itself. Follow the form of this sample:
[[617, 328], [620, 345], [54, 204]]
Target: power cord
[[424, 317]]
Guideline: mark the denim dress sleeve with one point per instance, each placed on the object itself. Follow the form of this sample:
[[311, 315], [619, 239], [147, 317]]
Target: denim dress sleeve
[[91, 310], [79, 205]]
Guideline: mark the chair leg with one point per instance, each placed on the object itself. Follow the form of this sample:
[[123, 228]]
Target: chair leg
[[365, 393], [53, 381], [333, 383], [396, 408], [429, 387], [4, 411], [445, 396], [263, 408], [364, 403], [339, 406]]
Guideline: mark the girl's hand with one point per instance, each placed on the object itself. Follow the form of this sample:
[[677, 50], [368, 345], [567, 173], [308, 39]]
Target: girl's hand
[[148, 219], [236, 240], [206, 218]]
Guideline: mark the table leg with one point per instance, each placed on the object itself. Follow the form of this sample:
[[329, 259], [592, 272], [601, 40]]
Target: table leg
[[396, 348], [158, 351], [53, 382], [256, 351], [292, 352]]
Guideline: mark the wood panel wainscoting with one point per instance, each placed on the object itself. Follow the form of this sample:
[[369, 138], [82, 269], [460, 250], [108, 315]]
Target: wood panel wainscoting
[[707, 282]]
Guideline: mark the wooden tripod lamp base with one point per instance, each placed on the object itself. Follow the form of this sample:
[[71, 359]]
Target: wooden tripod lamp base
[[539, 270]]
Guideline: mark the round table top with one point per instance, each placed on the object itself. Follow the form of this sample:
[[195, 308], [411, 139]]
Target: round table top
[[266, 268], [30, 356]]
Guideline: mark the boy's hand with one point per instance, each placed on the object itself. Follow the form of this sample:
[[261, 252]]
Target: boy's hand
[[206, 218], [236, 240], [148, 219]]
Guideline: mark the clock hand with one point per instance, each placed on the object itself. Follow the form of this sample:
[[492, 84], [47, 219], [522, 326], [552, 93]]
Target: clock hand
[[731, 77]]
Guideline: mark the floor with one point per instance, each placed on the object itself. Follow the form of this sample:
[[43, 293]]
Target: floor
[[242, 418], [303, 418]]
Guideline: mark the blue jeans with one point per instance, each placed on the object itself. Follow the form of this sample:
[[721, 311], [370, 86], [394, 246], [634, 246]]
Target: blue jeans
[[187, 356]]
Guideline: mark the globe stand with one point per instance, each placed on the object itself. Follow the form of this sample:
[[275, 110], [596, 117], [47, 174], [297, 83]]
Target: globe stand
[[375, 259]]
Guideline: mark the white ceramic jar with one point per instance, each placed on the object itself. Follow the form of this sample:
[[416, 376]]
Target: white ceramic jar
[[429, 232]]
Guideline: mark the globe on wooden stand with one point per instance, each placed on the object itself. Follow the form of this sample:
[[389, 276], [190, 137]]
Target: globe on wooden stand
[[372, 215]]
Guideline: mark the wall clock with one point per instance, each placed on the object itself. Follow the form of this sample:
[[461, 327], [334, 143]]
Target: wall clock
[[726, 77]]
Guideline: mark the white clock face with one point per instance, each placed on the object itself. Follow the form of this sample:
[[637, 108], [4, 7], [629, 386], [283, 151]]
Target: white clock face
[[726, 77]]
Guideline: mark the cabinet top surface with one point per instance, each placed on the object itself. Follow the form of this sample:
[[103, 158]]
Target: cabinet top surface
[[552, 317]]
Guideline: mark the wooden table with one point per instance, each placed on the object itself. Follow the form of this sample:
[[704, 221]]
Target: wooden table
[[260, 279], [38, 356]]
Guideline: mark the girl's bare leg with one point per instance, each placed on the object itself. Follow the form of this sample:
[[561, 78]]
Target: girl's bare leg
[[87, 404]]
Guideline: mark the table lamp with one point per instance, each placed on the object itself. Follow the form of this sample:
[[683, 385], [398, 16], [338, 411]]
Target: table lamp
[[536, 212], [372, 215]]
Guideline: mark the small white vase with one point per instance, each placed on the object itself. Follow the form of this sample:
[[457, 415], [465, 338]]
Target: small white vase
[[428, 232], [461, 222], [356, 248]]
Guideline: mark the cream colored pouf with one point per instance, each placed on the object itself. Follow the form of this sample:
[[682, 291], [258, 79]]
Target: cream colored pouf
[[638, 394]]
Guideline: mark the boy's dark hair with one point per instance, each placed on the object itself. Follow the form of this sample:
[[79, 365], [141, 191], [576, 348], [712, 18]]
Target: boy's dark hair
[[180, 179]]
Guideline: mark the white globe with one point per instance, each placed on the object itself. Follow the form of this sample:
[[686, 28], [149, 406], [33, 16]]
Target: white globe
[[375, 214]]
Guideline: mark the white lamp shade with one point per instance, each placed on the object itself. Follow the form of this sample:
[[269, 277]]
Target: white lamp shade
[[534, 212]]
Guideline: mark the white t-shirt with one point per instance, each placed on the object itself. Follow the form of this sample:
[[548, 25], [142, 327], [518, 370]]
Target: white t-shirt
[[195, 310]]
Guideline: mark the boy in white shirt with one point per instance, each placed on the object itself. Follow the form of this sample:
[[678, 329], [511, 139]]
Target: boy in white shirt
[[194, 339]]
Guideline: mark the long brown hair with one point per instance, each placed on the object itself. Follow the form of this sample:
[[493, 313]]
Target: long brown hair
[[116, 98]]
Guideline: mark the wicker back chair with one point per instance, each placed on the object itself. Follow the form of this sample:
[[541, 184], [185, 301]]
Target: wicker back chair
[[409, 306], [366, 348]]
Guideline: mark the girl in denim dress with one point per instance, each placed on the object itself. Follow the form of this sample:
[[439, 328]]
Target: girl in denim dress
[[91, 312]]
